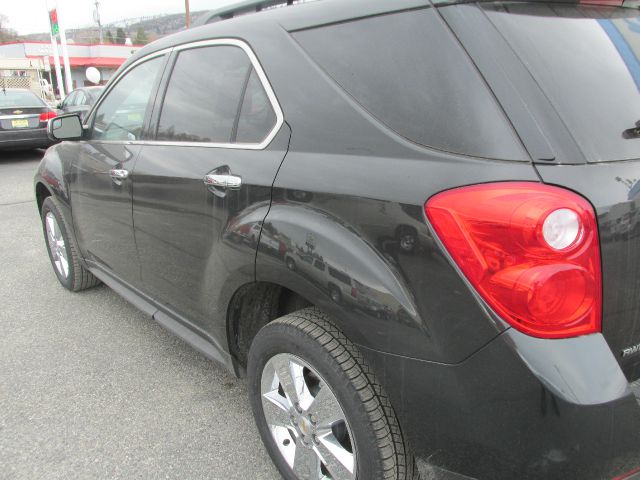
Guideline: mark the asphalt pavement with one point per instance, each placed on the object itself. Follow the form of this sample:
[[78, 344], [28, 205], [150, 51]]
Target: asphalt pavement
[[92, 388]]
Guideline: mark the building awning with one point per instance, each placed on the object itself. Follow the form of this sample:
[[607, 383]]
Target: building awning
[[77, 62]]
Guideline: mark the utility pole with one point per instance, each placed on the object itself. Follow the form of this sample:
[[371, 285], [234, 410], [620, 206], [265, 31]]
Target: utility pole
[[188, 14], [65, 55], [56, 62], [96, 18]]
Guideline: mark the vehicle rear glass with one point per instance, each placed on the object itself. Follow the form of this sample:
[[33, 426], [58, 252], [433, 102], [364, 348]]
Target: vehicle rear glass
[[408, 71], [585, 59], [19, 98]]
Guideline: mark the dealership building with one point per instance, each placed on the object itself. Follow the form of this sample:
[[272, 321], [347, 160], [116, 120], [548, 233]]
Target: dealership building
[[105, 57]]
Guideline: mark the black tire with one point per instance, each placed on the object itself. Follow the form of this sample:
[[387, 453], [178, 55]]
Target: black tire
[[78, 278], [309, 335]]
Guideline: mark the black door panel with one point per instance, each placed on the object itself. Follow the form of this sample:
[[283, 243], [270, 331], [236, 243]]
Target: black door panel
[[102, 207], [101, 200], [185, 230], [182, 220]]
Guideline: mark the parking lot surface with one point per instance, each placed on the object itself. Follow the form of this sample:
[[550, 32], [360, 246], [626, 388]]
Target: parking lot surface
[[92, 388]]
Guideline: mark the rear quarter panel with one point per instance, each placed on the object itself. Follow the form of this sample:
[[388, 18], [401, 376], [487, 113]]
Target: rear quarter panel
[[349, 212], [345, 190], [614, 190]]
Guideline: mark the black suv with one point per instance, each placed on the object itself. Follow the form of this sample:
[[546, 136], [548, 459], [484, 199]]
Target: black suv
[[415, 227]]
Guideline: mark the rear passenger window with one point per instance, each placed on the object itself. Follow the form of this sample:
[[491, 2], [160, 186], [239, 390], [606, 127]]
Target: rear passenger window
[[257, 117], [203, 96], [407, 70]]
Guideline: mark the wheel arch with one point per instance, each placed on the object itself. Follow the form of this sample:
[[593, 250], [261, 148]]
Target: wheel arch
[[252, 306], [51, 178], [42, 192], [327, 252]]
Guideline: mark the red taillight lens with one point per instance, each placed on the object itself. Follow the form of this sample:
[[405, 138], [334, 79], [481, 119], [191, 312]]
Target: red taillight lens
[[530, 250], [46, 116]]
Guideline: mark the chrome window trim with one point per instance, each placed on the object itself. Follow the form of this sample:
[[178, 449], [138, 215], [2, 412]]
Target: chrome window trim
[[199, 44]]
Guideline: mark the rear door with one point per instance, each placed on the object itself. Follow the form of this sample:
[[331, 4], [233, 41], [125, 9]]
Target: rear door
[[101, 186], [206, 178]]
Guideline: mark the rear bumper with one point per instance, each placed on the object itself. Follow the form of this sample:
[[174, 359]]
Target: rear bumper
[[503, 414], [27, 138]]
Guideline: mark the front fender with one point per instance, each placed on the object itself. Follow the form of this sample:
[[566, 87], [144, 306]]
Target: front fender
[[53, 175]]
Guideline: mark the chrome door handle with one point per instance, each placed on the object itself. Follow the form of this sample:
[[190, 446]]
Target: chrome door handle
[[119, 174], [224, 181]]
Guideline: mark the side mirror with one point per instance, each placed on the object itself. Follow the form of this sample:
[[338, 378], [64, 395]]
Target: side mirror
[[65, 127]]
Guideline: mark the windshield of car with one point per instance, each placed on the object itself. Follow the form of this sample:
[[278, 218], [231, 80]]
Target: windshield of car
[[19, 98], [586, 59]]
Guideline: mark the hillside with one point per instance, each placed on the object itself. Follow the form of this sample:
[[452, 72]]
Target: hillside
[[153, 27]]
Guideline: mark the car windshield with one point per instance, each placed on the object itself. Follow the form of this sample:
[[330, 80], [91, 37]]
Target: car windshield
[[19, 98], [586, 59]]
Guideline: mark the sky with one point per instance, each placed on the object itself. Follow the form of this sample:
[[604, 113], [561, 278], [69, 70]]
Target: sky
[[30, 16]]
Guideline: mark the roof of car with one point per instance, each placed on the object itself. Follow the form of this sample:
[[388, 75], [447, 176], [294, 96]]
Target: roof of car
[[295, 17]]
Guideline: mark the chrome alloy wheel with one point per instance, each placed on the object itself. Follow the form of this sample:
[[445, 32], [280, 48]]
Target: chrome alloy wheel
[[307, 422], [56, 245]]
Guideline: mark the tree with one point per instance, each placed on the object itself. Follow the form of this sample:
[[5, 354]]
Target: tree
[[108, 38], [141, 36], [6, 34], [121, 37]]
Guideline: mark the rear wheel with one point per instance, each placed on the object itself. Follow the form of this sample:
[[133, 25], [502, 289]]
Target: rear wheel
[[63, 251], [291, 264], [318, 406], [334, 293]]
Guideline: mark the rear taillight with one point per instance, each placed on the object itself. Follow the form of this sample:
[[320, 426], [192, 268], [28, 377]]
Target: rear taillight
[[46, 116], [530, 250]]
